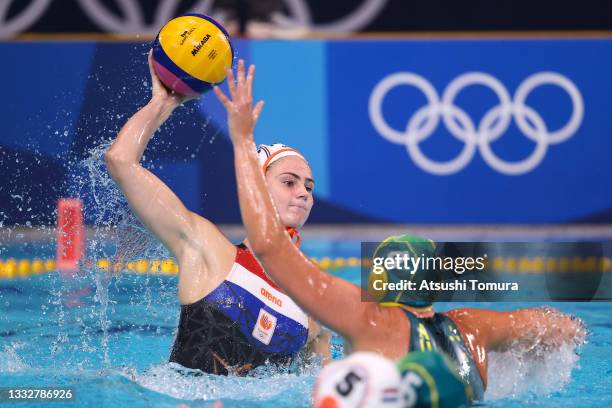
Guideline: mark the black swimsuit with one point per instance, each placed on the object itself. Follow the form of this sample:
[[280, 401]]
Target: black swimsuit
[[245, 322], [441, 334], [210, 341]]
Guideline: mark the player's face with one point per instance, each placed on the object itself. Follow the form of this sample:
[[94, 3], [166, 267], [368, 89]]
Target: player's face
[[291, 183]]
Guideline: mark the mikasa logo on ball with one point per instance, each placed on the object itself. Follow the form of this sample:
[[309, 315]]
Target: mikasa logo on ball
[[198, 46]]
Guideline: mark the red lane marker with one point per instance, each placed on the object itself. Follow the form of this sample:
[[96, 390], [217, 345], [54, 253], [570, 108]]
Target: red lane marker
[[70, 234]]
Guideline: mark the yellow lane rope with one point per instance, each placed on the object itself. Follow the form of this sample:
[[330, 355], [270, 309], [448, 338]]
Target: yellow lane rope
[[24, 268]]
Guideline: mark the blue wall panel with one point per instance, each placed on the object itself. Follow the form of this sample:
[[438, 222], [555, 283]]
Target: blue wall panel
[[382, 179], [291, 78], [65, 100]]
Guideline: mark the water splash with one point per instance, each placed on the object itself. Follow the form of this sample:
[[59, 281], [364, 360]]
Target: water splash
[[117, 235], [10, 361], [175, 381], [518, 373]]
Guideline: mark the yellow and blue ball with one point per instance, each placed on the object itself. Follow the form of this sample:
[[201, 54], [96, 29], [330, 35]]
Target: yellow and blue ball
[[192, 53]]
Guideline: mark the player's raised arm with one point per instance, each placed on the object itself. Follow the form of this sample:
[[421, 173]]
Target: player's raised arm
[[327, 298], [151, 200]]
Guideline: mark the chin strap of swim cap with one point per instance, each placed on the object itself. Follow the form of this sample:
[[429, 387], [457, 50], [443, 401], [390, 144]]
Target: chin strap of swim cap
[[293, 233], [268, 154]]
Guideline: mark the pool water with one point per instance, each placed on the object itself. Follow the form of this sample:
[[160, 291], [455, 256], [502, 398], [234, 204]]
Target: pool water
[[109, 338]]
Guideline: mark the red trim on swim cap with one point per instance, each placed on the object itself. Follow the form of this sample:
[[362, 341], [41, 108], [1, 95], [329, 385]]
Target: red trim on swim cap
[[276, 153]]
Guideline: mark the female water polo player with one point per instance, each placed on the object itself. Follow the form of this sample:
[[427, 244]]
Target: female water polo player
[[233, 316], [392, 330]]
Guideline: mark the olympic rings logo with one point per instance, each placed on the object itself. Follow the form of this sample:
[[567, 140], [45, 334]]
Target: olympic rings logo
[[491, 127], [299, 15], [22, 20]]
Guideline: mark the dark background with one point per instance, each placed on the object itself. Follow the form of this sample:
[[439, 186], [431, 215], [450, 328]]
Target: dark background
[[398, 15]]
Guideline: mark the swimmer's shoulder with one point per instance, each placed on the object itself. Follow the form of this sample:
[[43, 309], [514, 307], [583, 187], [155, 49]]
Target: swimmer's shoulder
[[487, 324], [472, 321]]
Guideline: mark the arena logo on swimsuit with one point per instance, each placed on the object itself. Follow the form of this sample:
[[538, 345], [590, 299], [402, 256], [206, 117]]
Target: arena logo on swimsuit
[[271, 297]]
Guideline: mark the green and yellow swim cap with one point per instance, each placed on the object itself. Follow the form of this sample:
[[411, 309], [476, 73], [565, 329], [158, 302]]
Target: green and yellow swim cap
[[409, 247]]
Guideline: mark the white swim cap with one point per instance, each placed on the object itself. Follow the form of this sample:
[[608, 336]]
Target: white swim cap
[[268, 154], [363, 379]]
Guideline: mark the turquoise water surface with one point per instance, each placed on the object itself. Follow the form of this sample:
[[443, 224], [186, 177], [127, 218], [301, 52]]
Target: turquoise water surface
[[109, 338]]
